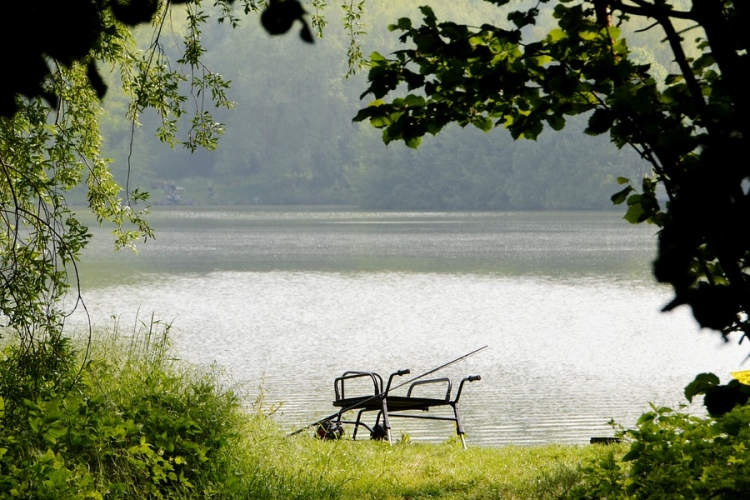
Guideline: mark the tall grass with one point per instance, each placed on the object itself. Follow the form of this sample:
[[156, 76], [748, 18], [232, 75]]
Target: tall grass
[[122, 417]]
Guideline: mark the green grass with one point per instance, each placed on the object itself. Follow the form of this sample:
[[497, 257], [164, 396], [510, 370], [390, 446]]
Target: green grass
[[122, 417], [303, 467]]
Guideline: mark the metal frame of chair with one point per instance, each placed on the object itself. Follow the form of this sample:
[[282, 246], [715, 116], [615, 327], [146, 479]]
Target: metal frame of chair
[[391, 406]]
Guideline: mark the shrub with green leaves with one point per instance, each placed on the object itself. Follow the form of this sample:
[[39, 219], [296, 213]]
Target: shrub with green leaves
[[127, 422], [676, 455]]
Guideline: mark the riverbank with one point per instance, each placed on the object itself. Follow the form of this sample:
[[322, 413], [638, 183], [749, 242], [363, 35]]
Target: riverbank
[[122, 416]]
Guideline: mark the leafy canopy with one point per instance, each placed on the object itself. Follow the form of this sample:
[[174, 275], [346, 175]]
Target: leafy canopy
[[71, 32], [691, 128]]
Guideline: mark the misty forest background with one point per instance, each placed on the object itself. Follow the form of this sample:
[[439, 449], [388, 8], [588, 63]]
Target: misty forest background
[[291, 139]]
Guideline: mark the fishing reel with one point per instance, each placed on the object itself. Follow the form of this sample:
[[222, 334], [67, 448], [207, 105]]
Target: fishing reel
[[379, 433], [329, 430]]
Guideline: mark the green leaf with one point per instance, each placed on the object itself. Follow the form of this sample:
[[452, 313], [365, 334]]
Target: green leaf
[[700, 385], [403, 24], [634, 213], [413, 101], [672, 79], [613, 32], [521, 19], [588, 35], [434, 128], [635, 199], [482, 123], [619, 197], [368, 112], [600, 121], [380, 121], [703, 62], [377, 57], [556, 35], [427, 11], [557, 122]]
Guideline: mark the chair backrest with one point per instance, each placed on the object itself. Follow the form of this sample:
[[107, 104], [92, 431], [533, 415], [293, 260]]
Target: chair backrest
[[340, 382]]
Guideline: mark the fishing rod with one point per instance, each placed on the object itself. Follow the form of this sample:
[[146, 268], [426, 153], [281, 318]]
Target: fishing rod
[[388, 388]]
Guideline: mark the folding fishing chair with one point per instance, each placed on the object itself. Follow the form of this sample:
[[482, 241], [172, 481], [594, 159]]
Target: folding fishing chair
[[389, 406]]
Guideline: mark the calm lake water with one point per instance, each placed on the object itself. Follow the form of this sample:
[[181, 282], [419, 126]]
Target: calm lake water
[[293, 298]]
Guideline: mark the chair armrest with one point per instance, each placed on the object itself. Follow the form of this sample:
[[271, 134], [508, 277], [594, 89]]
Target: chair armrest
[[471, 378], [432, 381], [395, 374]]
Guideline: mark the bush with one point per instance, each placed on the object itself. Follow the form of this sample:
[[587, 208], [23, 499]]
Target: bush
[[126, 422], [676, 455]]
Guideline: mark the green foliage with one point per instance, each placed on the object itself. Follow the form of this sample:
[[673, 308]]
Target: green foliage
[[43, 155], [675, 455], [70, 34], [718, 399], [286, 92], [691, 127], [128, 422]]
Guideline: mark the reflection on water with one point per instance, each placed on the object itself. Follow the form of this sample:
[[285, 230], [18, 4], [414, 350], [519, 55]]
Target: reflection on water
[[564, 300]]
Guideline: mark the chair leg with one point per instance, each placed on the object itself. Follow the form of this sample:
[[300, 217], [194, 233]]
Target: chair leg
[[387, 422], [459, 426], [357, 424]]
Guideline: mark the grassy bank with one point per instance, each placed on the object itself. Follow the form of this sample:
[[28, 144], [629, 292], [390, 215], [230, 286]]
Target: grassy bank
[[307, 468], [123, 417]]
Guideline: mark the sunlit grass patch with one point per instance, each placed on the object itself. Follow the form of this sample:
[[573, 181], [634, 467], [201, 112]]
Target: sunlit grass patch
[[309, 468]]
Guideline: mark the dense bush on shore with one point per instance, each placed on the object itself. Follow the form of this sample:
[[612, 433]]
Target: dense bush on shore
[[125, 421], [675, 455]]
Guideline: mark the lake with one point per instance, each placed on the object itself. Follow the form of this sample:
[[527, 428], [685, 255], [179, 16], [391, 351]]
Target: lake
[[292, 298]]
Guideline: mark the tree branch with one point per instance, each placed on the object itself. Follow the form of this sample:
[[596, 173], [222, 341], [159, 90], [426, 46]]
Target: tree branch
[[646, 9], [724, 53]]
